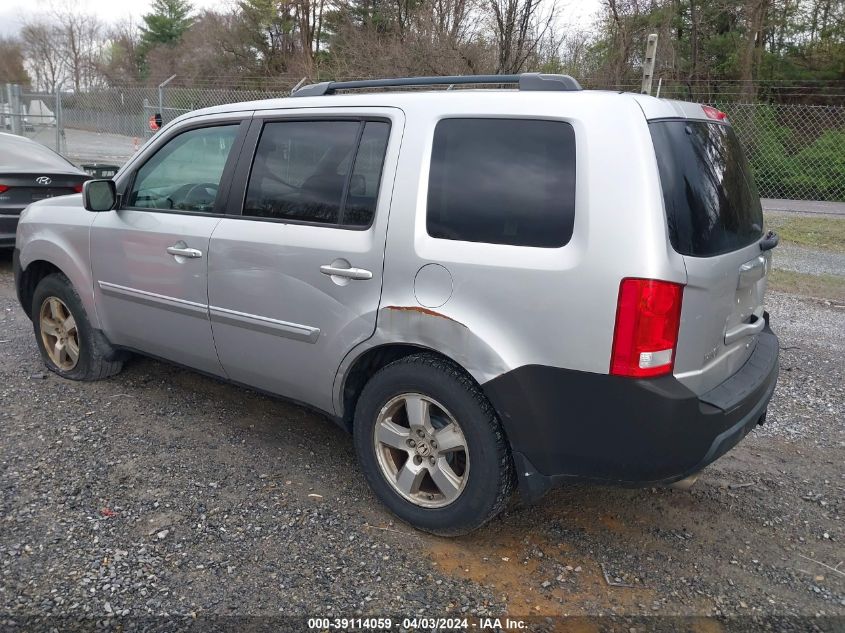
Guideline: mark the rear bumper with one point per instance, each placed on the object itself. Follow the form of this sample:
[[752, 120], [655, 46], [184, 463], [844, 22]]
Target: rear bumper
[[565, 424]]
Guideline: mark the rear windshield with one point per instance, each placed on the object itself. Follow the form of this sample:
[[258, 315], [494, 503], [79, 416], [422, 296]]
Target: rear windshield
[[18, 155], [712, 204]]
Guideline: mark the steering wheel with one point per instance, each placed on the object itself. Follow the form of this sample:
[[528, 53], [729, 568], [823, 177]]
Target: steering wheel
[[182, 197], [209, 187]]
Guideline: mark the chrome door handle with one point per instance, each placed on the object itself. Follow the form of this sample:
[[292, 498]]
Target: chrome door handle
[[180, 250], [350, 273]]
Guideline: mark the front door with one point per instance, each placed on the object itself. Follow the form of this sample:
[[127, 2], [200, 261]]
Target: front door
[[295, 280], [150, 257]]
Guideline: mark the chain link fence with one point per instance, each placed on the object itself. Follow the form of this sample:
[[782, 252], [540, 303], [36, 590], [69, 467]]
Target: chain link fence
[[797, 151]]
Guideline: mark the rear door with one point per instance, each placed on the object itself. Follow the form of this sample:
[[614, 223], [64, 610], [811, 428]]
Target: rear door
[[716, 222], [295, 272]]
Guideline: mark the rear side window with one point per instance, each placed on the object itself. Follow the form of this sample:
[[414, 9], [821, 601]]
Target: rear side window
[[300, 170], [366, 175], [323, 172], [502, 181], [712, 204]]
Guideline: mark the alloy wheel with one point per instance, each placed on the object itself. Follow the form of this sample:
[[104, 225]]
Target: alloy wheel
[[59, 333], [421, 450]]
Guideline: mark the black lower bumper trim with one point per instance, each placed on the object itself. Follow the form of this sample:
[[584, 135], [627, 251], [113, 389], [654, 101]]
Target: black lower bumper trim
[[565, 424]]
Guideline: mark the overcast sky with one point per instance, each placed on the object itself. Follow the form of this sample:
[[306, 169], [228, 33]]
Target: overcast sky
[[13, 13]]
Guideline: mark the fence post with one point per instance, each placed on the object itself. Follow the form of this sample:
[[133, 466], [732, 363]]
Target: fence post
[[648, 64], [16, 108], [60, 124], [146, 128], [56, 107], [6, 115], [161, 95]]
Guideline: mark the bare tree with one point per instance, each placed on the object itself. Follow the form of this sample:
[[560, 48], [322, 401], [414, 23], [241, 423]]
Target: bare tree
[[79, 39], [621, 12], [42, 56], [518, 27], [121, 59], [309, 20], [454, 21], [12, 61], [755, 18], [202, 53]]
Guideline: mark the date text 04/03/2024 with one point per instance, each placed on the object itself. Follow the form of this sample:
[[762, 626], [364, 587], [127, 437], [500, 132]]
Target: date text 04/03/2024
[[415, 623]]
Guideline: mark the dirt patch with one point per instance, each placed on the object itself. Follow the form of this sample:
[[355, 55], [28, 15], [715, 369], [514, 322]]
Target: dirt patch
[[535, 575]]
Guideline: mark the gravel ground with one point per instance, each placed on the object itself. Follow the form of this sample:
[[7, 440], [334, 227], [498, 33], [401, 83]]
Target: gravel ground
[[160, 491], [811, 261]]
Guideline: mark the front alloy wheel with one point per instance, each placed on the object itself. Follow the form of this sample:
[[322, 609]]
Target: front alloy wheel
[[421, 450], [68, 344], [59, 333]]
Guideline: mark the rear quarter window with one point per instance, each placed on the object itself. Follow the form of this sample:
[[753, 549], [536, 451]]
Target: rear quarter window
[[712, 204], [502, 181]]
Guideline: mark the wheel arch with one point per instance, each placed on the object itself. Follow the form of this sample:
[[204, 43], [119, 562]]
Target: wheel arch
[[403, 330], [29, 278], [41, 257], [365, 364]]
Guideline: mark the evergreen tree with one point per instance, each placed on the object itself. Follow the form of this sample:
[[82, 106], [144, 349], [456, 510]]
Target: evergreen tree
[[166, 24]]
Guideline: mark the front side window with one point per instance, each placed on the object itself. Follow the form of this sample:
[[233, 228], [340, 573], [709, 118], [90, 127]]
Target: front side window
[[184, 175], [325, 172], [502, 181]]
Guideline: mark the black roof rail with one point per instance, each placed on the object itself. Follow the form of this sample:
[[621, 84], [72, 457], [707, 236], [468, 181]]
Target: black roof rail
[[525, 81]]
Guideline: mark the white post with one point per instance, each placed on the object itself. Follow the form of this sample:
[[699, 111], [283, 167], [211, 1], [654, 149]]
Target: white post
[[56, 107], [648, 64], [17, 110]]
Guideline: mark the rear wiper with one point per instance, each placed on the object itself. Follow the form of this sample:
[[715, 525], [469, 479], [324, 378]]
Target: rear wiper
[[769, 241]]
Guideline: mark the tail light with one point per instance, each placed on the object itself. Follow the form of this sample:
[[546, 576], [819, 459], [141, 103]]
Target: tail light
[[4, 188], [648, 316], [78, 188]]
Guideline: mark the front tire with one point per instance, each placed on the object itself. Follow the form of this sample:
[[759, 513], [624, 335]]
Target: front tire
[[431, 446], [68, 344]]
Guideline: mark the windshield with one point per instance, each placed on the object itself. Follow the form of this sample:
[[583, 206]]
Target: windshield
[[712, 205]]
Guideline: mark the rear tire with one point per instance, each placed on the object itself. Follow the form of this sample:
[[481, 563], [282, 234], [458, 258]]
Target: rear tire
[[431, 446], [68, 344]]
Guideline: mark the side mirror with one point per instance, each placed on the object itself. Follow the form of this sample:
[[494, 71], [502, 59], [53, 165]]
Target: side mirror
[[99, 195]]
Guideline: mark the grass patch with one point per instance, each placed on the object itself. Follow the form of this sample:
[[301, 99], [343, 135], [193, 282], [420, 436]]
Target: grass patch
[[830, 287], [823, 233]]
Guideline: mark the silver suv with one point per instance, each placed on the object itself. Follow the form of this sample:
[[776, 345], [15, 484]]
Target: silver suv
[[486, 287]]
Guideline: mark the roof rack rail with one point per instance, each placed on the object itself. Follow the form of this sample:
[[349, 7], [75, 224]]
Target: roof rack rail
[[525, 81]]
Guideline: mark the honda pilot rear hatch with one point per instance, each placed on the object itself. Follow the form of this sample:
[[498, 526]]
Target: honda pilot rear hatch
[[715, 221]]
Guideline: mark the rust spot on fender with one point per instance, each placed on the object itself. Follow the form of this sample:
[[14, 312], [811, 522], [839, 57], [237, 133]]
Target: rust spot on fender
[[425, 311]]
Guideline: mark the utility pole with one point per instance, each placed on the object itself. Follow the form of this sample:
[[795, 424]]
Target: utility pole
[[648, 64]]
